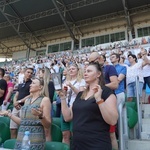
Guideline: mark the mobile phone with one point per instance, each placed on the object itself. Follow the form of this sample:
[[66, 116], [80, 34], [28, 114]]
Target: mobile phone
[[56, 77]]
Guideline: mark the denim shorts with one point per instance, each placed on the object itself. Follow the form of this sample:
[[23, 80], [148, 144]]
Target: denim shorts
[[131, 89]]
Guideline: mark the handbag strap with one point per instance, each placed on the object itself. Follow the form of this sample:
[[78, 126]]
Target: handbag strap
[[70, 94]]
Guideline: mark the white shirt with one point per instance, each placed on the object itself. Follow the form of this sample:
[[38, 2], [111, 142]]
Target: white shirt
[[20, 78], [133, 72], [56, 68], [76, 85], [146, 69]]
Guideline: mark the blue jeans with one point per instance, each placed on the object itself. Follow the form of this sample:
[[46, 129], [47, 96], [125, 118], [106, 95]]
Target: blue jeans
[[131, 89]]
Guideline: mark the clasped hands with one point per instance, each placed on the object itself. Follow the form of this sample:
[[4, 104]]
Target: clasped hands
[[5, 112]]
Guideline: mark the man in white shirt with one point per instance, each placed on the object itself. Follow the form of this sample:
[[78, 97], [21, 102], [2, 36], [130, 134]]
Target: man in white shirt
[[145, 71], [134, 70]]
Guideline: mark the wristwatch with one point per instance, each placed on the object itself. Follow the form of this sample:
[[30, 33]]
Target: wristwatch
[[19, 101]]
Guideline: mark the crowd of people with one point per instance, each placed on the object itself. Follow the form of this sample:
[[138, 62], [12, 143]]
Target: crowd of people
[[92, 87]]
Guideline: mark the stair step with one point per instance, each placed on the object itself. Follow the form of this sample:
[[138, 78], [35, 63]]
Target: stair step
[[146, 111], [146, 121], [146, 115], [138, 145], [145, 127], [145, 136], [145, 106]]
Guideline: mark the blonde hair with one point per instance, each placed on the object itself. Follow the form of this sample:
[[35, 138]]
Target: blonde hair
[[46, 79], [41, 81], [79, 74]]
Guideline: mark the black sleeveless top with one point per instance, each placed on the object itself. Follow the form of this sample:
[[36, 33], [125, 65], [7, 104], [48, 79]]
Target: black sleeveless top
[[90, 131]]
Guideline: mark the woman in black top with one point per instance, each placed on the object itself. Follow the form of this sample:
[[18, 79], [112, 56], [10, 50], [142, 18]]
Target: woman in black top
[[93, 111]]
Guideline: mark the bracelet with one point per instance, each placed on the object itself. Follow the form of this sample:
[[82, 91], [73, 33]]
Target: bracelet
[[100, 102]]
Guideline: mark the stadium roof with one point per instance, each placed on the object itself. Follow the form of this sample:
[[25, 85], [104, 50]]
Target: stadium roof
[[30, 18]]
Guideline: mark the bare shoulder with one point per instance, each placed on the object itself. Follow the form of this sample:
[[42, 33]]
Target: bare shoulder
[[45, 100]]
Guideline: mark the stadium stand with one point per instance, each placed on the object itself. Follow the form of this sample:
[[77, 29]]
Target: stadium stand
[[37, 37]]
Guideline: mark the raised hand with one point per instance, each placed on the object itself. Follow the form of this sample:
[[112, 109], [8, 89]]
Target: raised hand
[[62, 94], [97, 92]]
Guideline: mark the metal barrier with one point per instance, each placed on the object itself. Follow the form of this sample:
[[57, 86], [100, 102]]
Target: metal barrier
[[123, 127], [123, 124], [138, 108]]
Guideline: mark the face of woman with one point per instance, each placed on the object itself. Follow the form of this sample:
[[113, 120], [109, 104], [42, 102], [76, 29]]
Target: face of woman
[[35, 86], [41, 74], [73, 71], [86, 63], [65, 72], [91, 74]]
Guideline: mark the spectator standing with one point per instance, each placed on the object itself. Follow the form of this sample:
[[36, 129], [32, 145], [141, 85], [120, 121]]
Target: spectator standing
[[21, 95], [34, 117], [121, 71], [111, 81], [92, 112], [21, 75], [134, 70], [75, 83], [3, 86], [9, 91], [49, 89], [145, 71]]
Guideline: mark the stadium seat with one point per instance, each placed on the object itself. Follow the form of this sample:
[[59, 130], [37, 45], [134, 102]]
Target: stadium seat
[[56, 120], [56, 133], [9, 143], [10, 107], [4, 131], [132, 114], [56, 146], [132, 117], [0, 141], [5, 120], [132, 104]]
